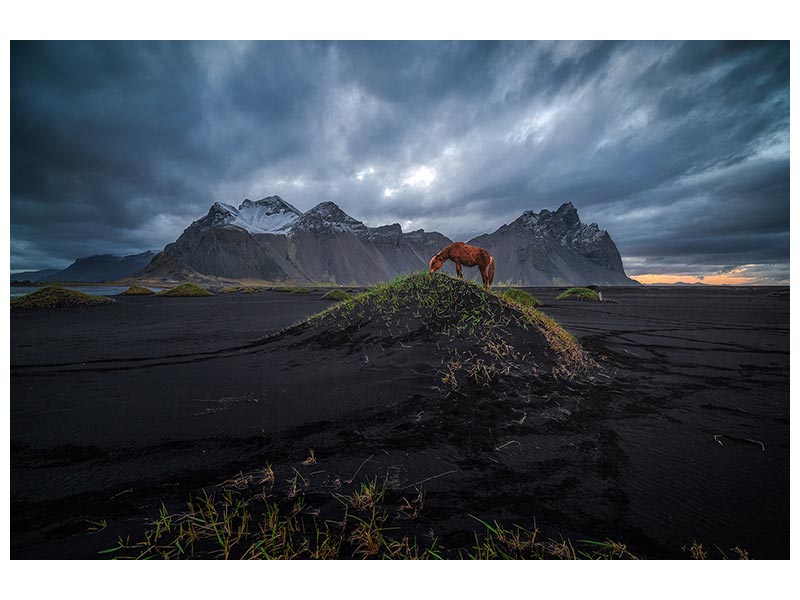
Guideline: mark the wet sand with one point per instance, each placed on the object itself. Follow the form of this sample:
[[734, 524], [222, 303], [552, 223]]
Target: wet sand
[[681, 433]]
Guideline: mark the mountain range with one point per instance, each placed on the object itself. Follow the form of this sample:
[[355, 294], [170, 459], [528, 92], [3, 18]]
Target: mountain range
[[269, 239]]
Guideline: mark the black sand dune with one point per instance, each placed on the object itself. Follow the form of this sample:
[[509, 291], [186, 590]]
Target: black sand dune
[[679, 431]]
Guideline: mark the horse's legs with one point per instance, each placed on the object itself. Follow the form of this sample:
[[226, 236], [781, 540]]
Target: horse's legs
[[458, 269], [484, 276]]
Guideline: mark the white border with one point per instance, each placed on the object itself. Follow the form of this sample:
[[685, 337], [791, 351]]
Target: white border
[[413, 19]]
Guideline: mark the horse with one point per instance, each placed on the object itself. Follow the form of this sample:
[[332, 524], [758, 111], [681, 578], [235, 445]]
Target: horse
[[469, 256]]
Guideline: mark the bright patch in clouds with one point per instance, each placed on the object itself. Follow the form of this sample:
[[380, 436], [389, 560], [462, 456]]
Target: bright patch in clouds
[[387, 192], [420, 177], [364, 172]]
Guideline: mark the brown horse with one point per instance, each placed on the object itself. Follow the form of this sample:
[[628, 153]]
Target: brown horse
[[469, 256]]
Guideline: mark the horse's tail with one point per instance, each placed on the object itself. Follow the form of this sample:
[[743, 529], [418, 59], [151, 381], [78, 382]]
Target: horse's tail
[[490, 271]]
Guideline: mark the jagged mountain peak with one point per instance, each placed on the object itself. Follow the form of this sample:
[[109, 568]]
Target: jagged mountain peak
[[327, 217], [221, 207], [564, 224], [566, 214], [271, 204], [331, 211]]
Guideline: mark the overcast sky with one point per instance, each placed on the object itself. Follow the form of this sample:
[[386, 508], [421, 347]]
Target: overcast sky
[[679, 150]]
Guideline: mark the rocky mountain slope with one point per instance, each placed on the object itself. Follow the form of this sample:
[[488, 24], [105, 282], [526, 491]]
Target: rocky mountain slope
[[271, 240], [554, 248], [275, 242]]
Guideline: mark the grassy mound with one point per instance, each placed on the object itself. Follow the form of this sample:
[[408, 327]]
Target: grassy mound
[[137, 290], [337, 295], [185, 290], [476, 336], [577, 293], [54, 296], [520, 297]]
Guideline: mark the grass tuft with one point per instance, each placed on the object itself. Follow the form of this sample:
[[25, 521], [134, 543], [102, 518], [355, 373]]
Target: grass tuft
[[55, 296], [185, 290], [578, 293]]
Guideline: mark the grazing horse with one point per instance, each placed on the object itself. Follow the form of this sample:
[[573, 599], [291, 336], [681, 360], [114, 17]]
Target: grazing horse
[[469, 256]]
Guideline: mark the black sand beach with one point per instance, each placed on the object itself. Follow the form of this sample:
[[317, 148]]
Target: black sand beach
[[680, 434]]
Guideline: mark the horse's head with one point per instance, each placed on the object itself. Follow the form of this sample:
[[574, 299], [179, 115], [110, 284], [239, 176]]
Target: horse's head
[[435, 264]]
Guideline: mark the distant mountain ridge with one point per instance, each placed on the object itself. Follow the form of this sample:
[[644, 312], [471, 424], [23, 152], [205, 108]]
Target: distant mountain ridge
[[270, 239], [680, 283], [34, 275], [102, 267]]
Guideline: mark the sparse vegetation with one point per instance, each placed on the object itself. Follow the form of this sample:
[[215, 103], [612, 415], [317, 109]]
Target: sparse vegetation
[[137, 290], [55, 296], [476, 321], [242, 289], [366, 497], [185, 290], [292, 289], [517, 543], [521, 297], [578, 293], [564, 344], [246, 519], [337, 295], [311, 460]]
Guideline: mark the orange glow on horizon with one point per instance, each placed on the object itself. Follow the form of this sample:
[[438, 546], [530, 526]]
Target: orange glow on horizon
[[708, 279]]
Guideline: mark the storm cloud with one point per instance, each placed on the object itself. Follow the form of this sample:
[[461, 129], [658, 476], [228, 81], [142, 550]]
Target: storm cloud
[[680, 150]]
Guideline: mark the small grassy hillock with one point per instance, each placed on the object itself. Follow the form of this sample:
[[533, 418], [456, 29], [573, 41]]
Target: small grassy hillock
[[137, 290], [185, 290], [519, 296], [55, 296], [337, 295], [476, 335], [579, 293]]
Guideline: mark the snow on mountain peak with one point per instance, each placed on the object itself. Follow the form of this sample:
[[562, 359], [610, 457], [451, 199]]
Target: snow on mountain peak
[[268, 215]]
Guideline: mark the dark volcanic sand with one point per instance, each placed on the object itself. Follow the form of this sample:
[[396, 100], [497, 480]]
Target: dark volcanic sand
[[116, 408]]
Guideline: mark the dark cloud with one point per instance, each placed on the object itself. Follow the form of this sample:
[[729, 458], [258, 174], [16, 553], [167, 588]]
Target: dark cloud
[[680, 150]]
